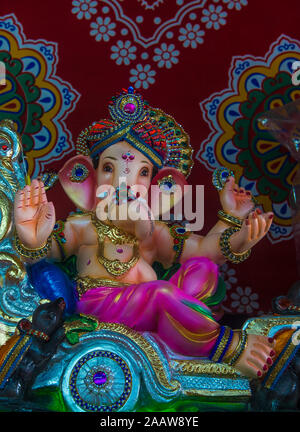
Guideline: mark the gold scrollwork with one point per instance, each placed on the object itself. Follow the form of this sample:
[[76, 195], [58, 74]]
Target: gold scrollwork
[[6, 215], [197, 367], [17, 271]]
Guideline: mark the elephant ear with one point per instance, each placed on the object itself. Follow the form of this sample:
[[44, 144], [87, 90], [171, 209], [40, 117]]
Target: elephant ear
[[167, 192], [78, 179]]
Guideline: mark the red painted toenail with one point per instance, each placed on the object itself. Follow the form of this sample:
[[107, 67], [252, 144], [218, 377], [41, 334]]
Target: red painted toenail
[[272, 353], [269, 361], [270, 340], [259, 374], [265, 367]]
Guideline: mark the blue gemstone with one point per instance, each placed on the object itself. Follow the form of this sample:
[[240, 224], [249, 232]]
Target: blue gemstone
[[79, 172]]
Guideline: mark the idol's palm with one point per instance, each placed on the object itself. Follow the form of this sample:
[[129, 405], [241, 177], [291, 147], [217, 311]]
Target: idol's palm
[[34, 215]]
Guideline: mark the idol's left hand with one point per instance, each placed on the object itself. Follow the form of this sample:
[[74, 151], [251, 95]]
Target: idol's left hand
[[254, 228], [236, 200]]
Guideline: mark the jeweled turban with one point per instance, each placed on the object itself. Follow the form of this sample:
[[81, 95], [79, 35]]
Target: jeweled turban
[[149, 130]]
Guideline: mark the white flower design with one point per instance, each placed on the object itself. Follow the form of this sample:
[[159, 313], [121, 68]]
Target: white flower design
[[228, 275], [123, 52], [214, 17], [237, 4], [84, 8], [244, 300], [191, 35], [166, 55], [102, 29], [142, 76]]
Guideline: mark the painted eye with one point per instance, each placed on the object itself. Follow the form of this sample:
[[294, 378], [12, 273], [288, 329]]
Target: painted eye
[[108, 168], [145, 172]]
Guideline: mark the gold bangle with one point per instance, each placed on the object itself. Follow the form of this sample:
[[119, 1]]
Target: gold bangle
[[34, 253], [218, 355], [228, 218], [234, 257], [232, 358]]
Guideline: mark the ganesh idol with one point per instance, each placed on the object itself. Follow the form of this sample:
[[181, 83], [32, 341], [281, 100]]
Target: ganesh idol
[[115, 280]]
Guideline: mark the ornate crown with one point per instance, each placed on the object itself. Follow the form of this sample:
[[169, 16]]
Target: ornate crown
[[149, 130]]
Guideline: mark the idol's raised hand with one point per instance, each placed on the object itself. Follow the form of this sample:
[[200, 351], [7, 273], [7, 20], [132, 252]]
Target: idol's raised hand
[[34, 215], [236, 200]]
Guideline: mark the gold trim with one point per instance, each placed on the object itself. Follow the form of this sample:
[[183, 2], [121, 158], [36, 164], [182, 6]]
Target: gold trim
[[14, 354], [6, 210], [262, 327], [195, 367], [279, 364], [86, 283], [213, 393]]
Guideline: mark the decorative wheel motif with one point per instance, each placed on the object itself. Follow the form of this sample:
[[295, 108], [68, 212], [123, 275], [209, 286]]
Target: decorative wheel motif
[[100, 381], [238, 142]]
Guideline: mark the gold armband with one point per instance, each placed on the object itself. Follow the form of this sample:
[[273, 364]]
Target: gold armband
[[35, 253], [234, 257]]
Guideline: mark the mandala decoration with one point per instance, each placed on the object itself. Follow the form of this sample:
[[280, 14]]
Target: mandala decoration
[[33, 97], [100, 381], [152, 37], [261, 165]]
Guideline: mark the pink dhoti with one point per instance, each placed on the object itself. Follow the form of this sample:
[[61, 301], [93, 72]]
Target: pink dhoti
[[173, 309]]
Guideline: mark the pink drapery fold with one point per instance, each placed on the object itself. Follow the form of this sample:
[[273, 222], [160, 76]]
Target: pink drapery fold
[[174, 309]]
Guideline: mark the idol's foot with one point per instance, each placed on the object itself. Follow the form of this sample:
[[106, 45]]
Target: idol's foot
[[257, 357]]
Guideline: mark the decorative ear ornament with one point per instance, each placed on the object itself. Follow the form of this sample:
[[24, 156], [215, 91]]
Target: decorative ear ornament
[[79, 173], [78, 179], [167, 184], [170, 181], [220, 175]]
